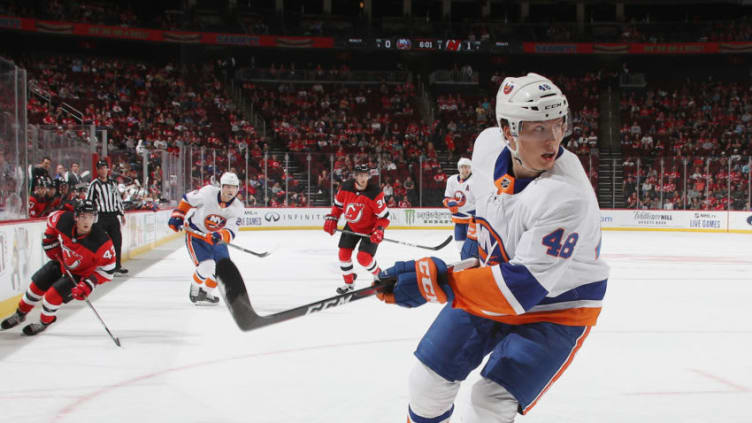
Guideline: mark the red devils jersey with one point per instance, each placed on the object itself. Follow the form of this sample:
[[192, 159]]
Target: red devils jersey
[[363, 210], [89, 255], [37, 206]]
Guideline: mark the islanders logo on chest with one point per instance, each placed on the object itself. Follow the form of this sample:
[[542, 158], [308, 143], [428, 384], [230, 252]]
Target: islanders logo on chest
[[460, 198], [214, 222], [490, 245], [354, 212]]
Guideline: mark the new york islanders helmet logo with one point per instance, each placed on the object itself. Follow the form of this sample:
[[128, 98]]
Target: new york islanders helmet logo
[[508, 88], [460, 198], [354, 212], [214, 222]]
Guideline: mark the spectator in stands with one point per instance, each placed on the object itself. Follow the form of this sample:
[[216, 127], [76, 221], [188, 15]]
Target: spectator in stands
[[42, 170]]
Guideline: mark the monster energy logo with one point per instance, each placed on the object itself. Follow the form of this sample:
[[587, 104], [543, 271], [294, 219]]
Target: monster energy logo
[[409, 216]]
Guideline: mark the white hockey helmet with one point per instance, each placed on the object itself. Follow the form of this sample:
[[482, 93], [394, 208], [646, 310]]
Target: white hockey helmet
[[531, 97], [464, 161], [229, 178]]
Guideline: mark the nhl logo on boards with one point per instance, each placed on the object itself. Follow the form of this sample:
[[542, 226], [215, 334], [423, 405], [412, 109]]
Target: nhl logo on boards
[[214, 222], [508, 88]]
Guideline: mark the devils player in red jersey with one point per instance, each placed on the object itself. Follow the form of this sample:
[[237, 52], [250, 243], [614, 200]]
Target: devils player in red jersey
[[72, 242], [40, 199], [362, 203]]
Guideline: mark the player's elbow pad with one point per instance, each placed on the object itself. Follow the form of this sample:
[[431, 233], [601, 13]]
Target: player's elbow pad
[[227, 235], [336, 212]]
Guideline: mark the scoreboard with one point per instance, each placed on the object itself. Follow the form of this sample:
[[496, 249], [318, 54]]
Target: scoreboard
[[427, 44]]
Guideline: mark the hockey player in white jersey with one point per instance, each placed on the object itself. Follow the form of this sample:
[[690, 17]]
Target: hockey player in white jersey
[[531, 304], [461, 203], [216, 213]]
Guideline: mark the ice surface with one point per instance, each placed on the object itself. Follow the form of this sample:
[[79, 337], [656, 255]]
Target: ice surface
[[672, 344]]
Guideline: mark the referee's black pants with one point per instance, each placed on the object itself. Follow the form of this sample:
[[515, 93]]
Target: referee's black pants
[[110, 223]]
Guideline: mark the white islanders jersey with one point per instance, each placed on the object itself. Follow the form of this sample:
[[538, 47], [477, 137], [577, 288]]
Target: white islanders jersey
[[460, 191], [539, 239], [209, 214]]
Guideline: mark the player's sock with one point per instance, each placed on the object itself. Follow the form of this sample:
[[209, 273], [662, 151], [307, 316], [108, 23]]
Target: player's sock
[[30, 298], [197, 294], [211, 289], [348, 285], [13, 320]]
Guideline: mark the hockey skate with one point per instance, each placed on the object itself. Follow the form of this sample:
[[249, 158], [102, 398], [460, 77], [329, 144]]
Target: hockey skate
[[200, 297], [34, 328], [13, 320], [348, 286]]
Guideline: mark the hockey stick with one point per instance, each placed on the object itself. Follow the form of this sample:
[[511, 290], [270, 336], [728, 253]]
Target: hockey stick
[[436, 248], [115, 339], [235, 295], [237, 247]]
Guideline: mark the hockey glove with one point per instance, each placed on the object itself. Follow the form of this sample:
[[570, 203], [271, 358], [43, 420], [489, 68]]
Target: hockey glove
[[452, 205], [330, 224], [176, 220], [222, 235], [83, 288], [417, 282], [377, 235]]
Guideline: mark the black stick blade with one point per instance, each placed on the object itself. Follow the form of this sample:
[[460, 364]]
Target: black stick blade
[[444, 244], [235, 294]]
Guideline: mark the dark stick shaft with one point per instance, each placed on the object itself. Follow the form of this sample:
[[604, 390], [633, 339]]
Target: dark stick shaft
[[114, 338], [438, 247], [237, 247]]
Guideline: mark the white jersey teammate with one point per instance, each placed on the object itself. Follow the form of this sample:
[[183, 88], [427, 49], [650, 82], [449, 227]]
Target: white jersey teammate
[[531, 304], [216, 213], [460, 201]]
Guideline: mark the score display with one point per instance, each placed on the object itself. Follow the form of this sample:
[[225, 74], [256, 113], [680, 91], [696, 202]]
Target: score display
[[426, 44]]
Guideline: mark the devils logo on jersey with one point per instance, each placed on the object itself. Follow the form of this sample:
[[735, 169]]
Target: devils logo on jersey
[[71, 258], [214, 222], [354, 212], [460, 198]]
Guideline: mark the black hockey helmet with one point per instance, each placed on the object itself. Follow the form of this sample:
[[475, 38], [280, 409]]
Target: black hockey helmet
[[102, 163], [361, 168], [86, 206], [59, 183], [46, 182]]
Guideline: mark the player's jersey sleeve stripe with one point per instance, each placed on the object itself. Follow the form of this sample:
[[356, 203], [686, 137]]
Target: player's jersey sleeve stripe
[[594, 291], [476, 291], [522, 285], [384, 214]]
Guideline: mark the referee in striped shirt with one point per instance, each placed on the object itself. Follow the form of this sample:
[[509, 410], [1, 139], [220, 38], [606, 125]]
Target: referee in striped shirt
[[103, 191]]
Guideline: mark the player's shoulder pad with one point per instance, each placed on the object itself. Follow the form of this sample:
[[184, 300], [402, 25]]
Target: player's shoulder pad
[[210, 189], [96, 239], [63, 222], [372, 189], [348, 185]]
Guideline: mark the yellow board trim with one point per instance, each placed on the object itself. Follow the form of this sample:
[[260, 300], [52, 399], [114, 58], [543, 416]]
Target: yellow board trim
[[7, 307]]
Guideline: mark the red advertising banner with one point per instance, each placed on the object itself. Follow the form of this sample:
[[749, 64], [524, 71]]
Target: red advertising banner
[[157, 35]]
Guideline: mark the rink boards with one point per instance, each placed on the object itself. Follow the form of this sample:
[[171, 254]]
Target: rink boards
[[21, 252]]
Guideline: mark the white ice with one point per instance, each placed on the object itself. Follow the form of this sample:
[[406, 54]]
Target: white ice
[[672, 344]]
